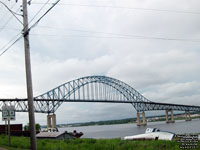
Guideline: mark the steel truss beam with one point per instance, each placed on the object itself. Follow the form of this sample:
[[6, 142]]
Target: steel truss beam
[[42, 105], [149, 106]]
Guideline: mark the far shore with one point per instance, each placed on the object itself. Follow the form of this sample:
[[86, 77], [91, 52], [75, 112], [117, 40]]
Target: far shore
[[127, 120]]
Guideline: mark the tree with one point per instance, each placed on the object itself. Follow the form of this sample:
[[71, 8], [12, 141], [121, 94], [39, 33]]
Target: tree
[[27, 127], [37, 127]]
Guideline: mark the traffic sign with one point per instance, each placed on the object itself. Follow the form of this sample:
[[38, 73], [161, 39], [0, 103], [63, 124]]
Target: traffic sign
[[8, 113]]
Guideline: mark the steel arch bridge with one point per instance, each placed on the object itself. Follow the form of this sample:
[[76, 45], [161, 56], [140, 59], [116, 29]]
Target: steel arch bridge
[[93, 89]]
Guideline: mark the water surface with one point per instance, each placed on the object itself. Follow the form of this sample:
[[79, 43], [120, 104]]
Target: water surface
[[121, 130]]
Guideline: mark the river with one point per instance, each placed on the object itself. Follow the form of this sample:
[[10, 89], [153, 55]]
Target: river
[[121, 130]]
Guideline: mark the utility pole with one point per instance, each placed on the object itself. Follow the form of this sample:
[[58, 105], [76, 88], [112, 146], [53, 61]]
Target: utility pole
[[28, 77], [28, 67]]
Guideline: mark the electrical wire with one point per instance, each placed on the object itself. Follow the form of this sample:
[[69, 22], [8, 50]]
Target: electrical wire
[[5, 48], [13, 41], [121, 7], [2, 28], [2, 6], [12, 12], [54, 4], [8, 28], [39, 11], [120, 37], [6, 23], [78, 30], [6, 11], [117, 35], [11, 45]]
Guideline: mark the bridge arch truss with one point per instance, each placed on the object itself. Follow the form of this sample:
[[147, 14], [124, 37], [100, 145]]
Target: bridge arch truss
[[93, 89]]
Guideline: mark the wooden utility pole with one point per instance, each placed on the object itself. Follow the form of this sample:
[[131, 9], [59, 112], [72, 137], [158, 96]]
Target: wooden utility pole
[[29, 78]]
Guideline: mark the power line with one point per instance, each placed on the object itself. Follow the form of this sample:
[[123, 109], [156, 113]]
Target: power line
[[10, 9], [1, 29], [78, 30], [6, 23], [11, 40], [6, 11], [12, 12], [2, 6], [5, 48], [116, 35], [39, 11], [8, 28], [53, 5], [122, 7], [120, 37]]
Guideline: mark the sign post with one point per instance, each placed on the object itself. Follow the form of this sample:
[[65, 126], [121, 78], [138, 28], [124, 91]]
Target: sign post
[[8, 113], [6, 126]]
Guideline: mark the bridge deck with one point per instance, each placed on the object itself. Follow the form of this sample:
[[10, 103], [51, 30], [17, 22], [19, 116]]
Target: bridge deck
[[41, 105]]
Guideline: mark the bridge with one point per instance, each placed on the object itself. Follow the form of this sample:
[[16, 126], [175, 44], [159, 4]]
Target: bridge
[[96, 89]]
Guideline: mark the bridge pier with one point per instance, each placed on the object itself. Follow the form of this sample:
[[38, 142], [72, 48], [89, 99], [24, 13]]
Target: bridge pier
[[51, 121], [144, 122], [49, 125], [167, 116], [187, 116]]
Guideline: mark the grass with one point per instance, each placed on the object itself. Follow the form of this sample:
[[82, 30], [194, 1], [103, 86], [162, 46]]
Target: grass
[[23, 143]]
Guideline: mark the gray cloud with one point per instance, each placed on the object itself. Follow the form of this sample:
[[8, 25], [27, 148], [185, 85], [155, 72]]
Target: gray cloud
[[162, 70]]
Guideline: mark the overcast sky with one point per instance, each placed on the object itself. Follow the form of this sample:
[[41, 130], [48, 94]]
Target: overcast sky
[[152, 45]]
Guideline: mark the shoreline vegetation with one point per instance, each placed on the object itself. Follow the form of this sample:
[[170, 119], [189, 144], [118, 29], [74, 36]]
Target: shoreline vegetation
[[23, 143], [127, 120]]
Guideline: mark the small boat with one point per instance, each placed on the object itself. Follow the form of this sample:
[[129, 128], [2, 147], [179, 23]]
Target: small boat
[[75, 134], [152, 134], [58, 135]]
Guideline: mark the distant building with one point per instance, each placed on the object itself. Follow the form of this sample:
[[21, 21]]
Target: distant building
[[13, 127], [55, 135]]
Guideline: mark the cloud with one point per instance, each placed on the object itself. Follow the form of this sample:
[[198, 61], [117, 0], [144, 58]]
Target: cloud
[[151, 69], [180, 93], [162, 70]]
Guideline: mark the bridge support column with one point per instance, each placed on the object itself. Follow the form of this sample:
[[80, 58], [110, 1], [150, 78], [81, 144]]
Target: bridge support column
[[49, 125], [138, 119], [51, 121], [144, 119], [54, 121], [144, 122], [172, 116], [167, 116], [187, 116]]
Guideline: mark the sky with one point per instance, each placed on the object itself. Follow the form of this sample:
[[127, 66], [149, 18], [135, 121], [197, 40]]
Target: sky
[[152, 45]]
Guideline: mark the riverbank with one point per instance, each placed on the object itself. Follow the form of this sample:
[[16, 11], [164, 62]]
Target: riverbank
[[127, 120], [23, 143]]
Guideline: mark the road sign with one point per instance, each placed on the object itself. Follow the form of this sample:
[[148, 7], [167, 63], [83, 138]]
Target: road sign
[[8, 113]]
